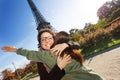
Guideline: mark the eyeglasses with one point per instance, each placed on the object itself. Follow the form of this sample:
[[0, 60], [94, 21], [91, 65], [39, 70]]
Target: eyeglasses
[[43, 39]]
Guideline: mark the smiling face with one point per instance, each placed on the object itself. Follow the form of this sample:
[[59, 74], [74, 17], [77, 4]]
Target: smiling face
[[46, 40]]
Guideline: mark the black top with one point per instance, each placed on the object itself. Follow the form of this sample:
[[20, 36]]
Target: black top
[[55, 74]]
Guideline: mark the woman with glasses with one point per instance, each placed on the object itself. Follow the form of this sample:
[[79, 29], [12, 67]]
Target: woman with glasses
[[46, 40]]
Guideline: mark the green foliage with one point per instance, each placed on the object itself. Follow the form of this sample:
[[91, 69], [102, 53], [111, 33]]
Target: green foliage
[[116, 31], [94, 40], [75, 37], [29, 75], [100, 23], [102, 46], [114, 15]]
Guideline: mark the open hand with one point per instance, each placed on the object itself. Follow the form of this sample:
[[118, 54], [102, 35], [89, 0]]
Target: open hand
[[8, 48], [63, 61]]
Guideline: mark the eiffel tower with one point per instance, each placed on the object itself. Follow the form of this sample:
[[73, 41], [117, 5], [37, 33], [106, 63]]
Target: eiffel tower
[[40, 21]]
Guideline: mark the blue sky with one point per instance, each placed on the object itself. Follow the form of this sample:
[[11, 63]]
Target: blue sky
[[18, 28]]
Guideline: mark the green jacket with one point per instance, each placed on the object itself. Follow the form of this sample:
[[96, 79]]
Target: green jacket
[[74, 71]]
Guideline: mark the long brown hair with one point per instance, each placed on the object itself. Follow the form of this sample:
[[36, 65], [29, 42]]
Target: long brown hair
[[73, 51]]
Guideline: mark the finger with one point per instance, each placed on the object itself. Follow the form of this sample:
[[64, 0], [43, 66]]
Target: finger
[[69, 61], [53, 50], [60, 51], [58, 57], [68, 57], [57, 53], [4, 49], [65, 55]]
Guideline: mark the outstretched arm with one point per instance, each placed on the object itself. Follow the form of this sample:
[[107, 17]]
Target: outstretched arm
[[39, 56]]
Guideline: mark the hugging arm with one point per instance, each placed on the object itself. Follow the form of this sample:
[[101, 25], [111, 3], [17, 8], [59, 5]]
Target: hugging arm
[[60, 47], [57, 71]]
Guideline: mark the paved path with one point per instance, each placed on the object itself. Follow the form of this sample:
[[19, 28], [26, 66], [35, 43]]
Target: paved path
[[107, 63], [36, 78]]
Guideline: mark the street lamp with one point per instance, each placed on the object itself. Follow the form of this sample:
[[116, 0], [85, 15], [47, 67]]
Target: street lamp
[[16, 70], [1, 76]]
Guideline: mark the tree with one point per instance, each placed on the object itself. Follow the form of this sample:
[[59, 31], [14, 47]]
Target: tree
[[8, 74], [108, 8], [114, 15], [117, 3], [105, 10]]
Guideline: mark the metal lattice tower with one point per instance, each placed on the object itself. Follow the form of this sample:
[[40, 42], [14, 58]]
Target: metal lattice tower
[[40, 21]]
